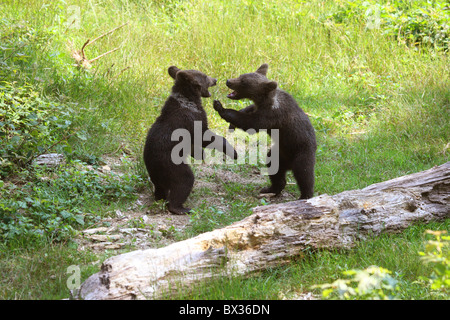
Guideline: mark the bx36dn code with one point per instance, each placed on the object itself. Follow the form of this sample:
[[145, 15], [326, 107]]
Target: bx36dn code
[[245, 309]]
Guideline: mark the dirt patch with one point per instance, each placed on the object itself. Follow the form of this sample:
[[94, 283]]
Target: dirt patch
[[134, 229], [213, 178]]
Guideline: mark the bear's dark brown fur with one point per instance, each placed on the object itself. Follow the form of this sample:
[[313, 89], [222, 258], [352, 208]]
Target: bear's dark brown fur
[[275, 109], [173, 182]]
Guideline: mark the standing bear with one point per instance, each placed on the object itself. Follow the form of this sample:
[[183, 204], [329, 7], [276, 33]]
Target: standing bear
[[182, 112], [275, 109]]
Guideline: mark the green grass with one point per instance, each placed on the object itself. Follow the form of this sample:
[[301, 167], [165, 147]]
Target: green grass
[[39, 271], [380, 107]]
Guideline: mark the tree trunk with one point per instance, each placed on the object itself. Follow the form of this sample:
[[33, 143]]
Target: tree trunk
[[273, 234]]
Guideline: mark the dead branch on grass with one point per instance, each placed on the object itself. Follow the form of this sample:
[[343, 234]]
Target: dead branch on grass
[[80, 56]]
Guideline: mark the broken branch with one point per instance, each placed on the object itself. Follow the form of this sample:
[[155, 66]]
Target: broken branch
[[105, 34], [80, 55]]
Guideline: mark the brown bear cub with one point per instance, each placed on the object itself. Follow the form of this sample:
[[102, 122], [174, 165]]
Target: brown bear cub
[[275, 109], [173, 179]]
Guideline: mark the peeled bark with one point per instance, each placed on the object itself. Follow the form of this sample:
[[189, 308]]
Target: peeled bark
[[273, 234]]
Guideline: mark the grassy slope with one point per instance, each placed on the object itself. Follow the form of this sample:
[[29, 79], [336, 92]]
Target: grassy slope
[[380, 109]]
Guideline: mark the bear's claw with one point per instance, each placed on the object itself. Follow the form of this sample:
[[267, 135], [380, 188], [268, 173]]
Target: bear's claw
[[217, 105]]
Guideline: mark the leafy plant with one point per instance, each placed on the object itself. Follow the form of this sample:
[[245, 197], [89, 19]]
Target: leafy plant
[[376, 282], [30, 125], [372, 283], [437, 253], [55, 204]]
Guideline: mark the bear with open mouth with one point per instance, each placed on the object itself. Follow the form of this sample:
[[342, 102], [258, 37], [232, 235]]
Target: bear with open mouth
[[274, 108]]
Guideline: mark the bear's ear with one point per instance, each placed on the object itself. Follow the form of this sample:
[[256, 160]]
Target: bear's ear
[[186, 76], [263, 69], [272, 85], [173, 71]]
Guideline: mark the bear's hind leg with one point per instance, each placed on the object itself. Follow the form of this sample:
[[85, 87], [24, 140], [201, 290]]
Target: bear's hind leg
[[278, 182], [181, 186], [303, 170], [278, 179], [160, 193], [161, 188]]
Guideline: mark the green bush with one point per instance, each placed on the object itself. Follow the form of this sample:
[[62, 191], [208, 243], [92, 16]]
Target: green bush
[[30, 125], [31, 121], [373, 283], [37, 116], [417, 23], [437, 253], [56, 203]]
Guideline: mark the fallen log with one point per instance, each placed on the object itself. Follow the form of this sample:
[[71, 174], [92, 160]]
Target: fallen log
[[273, 235]]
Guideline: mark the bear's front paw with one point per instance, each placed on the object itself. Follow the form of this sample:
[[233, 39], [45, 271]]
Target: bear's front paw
[[217, 106]]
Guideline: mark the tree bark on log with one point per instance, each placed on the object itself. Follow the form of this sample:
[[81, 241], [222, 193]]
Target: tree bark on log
[[274, 234]]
